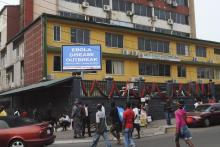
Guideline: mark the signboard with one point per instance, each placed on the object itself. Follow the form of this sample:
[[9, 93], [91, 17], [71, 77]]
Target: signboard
[[81, 57]]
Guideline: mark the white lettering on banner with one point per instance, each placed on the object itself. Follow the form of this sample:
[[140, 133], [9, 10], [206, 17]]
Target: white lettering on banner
[[81, 60], [81, 49]]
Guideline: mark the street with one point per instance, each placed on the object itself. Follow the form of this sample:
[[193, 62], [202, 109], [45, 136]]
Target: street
[[202, 137]]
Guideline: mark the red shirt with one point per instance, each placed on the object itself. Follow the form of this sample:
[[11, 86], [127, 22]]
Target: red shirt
[[128, 117]]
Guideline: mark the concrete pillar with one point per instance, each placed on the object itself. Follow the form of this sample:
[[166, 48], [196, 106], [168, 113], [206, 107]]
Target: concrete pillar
[[109, 83], [141, 84], [76, 88]]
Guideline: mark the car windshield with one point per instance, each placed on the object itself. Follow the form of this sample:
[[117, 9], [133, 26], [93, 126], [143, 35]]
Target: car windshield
[[19, 122], [203, 108]]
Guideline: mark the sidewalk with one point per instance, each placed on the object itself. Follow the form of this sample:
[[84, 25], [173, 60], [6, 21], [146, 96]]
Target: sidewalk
[[157, 127]]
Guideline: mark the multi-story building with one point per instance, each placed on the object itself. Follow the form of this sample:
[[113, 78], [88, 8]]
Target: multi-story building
[[10, 61], [175, 17], [128, 53]]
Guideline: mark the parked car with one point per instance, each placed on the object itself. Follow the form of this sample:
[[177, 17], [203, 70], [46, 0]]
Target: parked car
[[204, 115], [24, 132]]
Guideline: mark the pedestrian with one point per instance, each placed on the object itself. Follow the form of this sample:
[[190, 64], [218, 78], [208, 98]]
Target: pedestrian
[[86, 120], [128, 120], [101, 128], [64, 121], [49, 115], [115, 122], [182, 130], [77, 125], [137, 121], [2, 111], [17, 113], [168, 111], [198, 102], [36, 115]]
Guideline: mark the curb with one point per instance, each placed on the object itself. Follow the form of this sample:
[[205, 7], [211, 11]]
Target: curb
[[162, 131]]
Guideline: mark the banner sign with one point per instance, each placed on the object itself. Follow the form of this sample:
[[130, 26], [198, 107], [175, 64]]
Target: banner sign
[[81, 57]]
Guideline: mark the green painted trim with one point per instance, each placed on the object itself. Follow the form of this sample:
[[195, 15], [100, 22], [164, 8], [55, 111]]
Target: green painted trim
[[112, 55], [45, 45], [53, 49]]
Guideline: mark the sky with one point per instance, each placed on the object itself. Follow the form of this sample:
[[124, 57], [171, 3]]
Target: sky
[[207, 18]]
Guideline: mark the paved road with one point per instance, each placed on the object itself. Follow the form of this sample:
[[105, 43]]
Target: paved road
[[202, 137]]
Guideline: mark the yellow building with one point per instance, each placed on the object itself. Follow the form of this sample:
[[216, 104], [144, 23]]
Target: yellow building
[[129, 53]]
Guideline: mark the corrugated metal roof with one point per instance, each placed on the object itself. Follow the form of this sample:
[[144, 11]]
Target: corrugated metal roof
[[35, 86]]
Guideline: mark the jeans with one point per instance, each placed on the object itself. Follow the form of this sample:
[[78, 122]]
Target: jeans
[[168, 117], [128, 141], [96, 139]]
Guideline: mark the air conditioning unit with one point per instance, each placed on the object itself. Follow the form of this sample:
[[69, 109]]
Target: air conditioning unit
[[134, 53], [169, 2], [170, 21], [88, 18], [12, 85], [195, 59], [85, 4], [174, 4], [125, 52], [210, 60], [50, 77], [130, 13], [106, 8], [108, 77], [154, 18]]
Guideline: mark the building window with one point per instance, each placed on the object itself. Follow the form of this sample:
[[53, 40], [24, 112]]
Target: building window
[[162, 14], [56, 63], [180, 18], [121, 5], [177, 33], [22, 70], [165, 31], [182, 3], [80, 36], [98, 3], [217, 73], [75, 1], [200, 51], [181, 71], [182, 49], [56, 33], [142, 27], [113, 40], [114, 67], [205, 73], [154, 69], [217, 51], [153, 45], [142, 10]]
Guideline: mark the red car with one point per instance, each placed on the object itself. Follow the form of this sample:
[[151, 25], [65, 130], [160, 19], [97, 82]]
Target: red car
[[24, 132], [204, 115]]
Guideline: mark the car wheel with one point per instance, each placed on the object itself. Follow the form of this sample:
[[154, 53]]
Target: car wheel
[[207, 122], [17, 143]]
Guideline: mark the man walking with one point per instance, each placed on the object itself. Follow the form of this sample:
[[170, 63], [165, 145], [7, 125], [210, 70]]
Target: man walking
[[77, 120], [168, 111], [86, 120], [128, 120], [181, 127], [101, 128], [115, 122], [137, 121]]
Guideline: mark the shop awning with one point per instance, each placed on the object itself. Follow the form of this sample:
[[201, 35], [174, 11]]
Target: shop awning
[[40, 85]]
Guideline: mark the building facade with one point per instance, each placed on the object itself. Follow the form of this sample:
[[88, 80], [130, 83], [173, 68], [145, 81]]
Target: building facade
[[11, 54], [175, 17]]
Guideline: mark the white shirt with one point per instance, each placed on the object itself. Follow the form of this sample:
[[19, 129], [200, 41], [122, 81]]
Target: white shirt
[[99, 114], [137, 116], [103, 109], [86, 111]]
